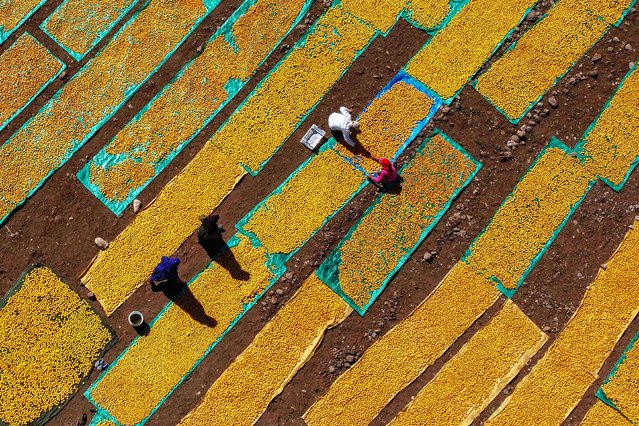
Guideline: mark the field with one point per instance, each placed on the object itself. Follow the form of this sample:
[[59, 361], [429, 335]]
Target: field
[[495, 284]]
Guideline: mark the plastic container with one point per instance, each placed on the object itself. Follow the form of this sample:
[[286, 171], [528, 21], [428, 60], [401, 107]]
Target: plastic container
[[313, 138], [136, 318]]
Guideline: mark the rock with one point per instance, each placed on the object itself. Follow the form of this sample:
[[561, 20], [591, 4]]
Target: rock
[[505, 156], [136, 205], [91, 296], [377, 76], [331, 369], [515, 138], [279, 292], [628, 47], [616, 39], [604, 266], [285, 48], [101, 243], [553, 102], [63, 75], [532, 16], [596, 57], [631, 65], [347, 365], [288, 275], [540, 104], [273, 300], [545, 328], [446, 109], [428, 257], [199, 49], [350, 358], [521, 133], [511, 144], [593, 73]]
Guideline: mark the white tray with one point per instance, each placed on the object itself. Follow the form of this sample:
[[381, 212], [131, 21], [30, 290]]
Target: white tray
[[313, 138]]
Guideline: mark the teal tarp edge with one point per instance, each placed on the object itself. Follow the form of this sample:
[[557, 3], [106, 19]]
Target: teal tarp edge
[[328, 271], [580, 147], [402, 76], [4, 123], [105, 160], [301, 43], [99, 36], [233, 242], [102, 416], [4, 34], [515, 120], [277, 260], [600, 393], [554, 143], [49, 414], [77, 144], [448, 101], [455, 6]]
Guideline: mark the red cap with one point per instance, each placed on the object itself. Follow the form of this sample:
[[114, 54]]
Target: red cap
[[385, 162]]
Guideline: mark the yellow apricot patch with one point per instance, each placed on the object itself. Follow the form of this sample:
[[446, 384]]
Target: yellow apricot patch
[[25, 68], [609, 147], [529, 217], [274, 109], [156, 363], [602, 414], [14, 12], [381, 14], [477, 373], [285, 343], [49, 339], [457, 51], [402, 354], [114, 182], [287, 218], [517, 80], [78, 24], [428, 13], [555, 385], [396, 223], [387, 123], [187, 103], [622, 387], [160, 229], [63, 125]]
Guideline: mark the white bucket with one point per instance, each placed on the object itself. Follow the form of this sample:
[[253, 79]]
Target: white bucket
[[136, 318]]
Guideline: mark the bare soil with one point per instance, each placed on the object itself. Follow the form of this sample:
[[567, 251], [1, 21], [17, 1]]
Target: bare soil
[[58, 224]]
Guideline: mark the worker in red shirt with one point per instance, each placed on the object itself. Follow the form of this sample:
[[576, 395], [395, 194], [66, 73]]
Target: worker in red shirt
[[386, 176]]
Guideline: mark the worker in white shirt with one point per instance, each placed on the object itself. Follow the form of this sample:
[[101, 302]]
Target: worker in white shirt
[[341, 121]]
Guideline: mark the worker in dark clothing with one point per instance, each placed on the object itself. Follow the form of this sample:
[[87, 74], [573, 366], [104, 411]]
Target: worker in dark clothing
[[209, 231], [166, 273]]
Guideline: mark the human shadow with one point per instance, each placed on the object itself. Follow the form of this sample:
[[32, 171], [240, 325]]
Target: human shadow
[[219, 252], [395, 187], [179, 293], [357, 150], [142, 329]]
